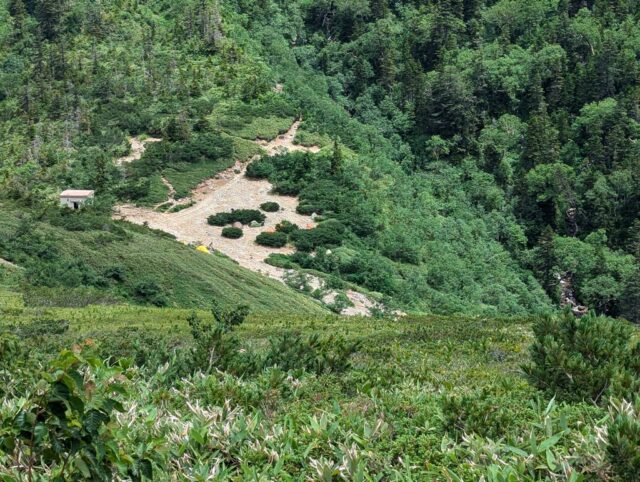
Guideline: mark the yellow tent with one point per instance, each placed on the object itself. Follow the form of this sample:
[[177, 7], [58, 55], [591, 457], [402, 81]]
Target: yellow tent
[[202, 249]]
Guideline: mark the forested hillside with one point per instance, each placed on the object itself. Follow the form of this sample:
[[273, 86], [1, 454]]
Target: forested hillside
[[476, 150], [463, 168]]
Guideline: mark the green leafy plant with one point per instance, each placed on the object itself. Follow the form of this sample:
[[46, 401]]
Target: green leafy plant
[[63, 429]]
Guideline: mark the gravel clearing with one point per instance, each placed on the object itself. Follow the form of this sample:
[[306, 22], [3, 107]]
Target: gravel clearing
[[232, 190]]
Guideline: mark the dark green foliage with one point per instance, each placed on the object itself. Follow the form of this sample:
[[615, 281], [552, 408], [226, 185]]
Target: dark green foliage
[[270, 207], [327, 234], [260, 169], [623, 440], [273, 240], [244, 216], [148, 350], [215, 344], [229, 316], [286, 227], [313, 353], [630, 303], [584, 359], [484, 413], [231, 232], [150, 291], [42, 328]]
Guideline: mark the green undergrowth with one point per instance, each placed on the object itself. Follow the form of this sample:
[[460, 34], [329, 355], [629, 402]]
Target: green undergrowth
[[186, 176], [267, 128], [419, 398], [85, 260]]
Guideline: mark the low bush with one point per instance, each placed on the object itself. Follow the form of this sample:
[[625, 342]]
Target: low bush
[[216, 346], [485, 413], [231, 233], [270, 207], [286, 227], [588, 358], [220, 219], [260, 169], [280, 260], [272, 240], [244, 216], [328, 234], [149, 291], [306, 209], [314, 354]]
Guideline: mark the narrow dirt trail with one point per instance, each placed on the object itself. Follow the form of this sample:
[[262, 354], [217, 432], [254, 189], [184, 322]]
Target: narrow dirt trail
[[231, 189], [137, 149]]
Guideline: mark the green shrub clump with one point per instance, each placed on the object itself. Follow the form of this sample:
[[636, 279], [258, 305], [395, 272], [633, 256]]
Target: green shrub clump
[[328, 234], [314, 354], [286, 227], [270, 207], [231, 232], [272, 240], [584, 359], [623, 444], [244, 216], [260, 169]]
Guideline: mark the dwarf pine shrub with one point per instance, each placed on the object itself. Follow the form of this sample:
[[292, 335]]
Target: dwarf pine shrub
[[243, 216], [272, 240], [588, 358], [231, 232], [270, 207]]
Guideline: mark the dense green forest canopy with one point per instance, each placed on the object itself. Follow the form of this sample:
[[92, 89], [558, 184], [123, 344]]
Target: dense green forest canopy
[[477, 149]]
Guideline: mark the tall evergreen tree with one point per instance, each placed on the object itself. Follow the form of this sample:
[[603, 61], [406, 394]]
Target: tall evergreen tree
[[541, 141]]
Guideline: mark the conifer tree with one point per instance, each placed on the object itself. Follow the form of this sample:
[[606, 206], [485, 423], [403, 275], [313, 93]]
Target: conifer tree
[[541, 140]]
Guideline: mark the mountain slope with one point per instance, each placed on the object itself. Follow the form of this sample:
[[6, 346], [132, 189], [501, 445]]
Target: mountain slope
[[118, 262]]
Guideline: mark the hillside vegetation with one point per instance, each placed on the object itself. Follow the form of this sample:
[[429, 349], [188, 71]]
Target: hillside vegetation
[[305, 398], [480, 148], [81, 258], [478, 165]]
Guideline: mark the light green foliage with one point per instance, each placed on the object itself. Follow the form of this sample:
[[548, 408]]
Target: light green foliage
[[264, 128], [322, 394], [623, 448]]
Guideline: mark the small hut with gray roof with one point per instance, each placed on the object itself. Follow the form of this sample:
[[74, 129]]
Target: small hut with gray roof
[[74, 198]]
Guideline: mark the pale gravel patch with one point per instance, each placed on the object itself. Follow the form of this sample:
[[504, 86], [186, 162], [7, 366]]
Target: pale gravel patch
[[137, 149], [228, 190]]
